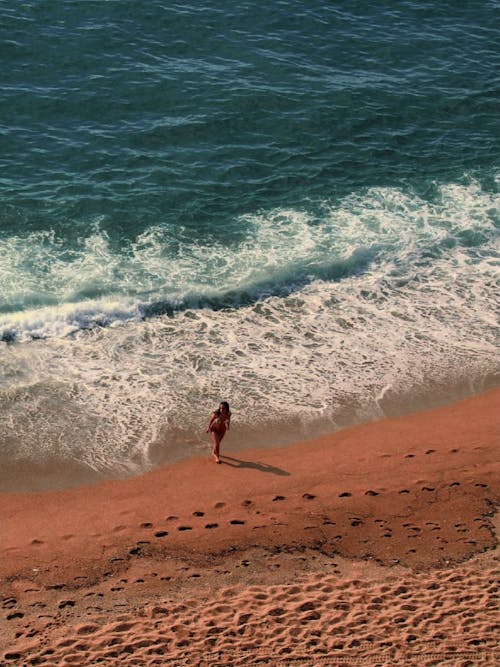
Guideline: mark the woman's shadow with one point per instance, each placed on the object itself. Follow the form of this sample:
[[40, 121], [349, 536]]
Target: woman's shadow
[[262, 467]]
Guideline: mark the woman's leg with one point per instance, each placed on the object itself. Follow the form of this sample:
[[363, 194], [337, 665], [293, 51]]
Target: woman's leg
[[216, 438]]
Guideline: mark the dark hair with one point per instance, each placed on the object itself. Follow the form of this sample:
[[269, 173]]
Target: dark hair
[[226, 405]]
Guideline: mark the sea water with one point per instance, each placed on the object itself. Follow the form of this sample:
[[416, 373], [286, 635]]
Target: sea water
[[292, 206]]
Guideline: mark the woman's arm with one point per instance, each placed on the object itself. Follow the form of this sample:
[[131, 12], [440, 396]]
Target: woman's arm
[[212, 417]]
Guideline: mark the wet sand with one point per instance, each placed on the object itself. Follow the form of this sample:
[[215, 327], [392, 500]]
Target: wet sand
[[375, 545]]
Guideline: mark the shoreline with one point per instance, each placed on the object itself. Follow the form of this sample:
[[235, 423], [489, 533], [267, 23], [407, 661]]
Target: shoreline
[[59, 475], [408, 499]]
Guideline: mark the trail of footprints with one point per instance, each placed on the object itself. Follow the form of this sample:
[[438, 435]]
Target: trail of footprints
[[200, 519], [413, 531], [162, 532]]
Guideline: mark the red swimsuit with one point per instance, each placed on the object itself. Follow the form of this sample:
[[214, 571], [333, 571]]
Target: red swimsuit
[[219, 424]]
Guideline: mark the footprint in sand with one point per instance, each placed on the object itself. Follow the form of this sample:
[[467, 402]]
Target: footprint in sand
[[246, 503], [404, 491], [211, 525], [146, 524], [88, 629], [14, 615], [345, 494], [198, 513], [430, 451], [9, 603], [237, 522], [182, 528], [161, 533], [122, 627], [172, 518], [410, 456], [12, 655], [308, 496], [278, 498], [433, 526], [243, 619], [277, 611], [219, 506], [370, 492], [66, 603]]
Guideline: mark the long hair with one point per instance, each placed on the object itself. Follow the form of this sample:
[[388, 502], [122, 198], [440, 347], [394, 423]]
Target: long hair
[[226, 405]]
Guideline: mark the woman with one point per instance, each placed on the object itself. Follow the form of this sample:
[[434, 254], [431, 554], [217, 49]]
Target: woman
[[219, 423]]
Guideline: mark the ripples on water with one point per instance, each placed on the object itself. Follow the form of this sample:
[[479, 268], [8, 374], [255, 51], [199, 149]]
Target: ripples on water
[[193, 115]]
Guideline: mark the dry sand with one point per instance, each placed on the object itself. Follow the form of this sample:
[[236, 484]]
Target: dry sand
[[372, 546]]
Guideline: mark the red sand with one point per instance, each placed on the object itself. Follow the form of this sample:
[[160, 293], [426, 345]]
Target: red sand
[[375, 545]]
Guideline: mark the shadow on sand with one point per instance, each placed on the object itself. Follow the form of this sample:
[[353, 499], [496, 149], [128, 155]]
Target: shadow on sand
[[262, 467]]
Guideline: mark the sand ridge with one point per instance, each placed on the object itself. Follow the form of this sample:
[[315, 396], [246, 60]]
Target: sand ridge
[[372, 546]]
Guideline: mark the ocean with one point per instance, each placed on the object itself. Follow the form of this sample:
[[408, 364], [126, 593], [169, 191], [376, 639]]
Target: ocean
[[292, 206]]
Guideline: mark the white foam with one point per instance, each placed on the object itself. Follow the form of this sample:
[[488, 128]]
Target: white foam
[[48, 290], [67, 318]]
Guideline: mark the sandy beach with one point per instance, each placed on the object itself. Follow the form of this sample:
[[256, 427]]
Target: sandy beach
[[374, 545]]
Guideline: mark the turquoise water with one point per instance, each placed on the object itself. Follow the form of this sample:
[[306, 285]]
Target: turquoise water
[[292, 206]]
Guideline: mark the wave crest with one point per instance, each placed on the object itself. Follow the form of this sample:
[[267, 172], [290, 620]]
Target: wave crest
[[50, 289]]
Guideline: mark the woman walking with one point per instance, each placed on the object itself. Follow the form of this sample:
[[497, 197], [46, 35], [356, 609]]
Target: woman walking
[[220, 421]]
